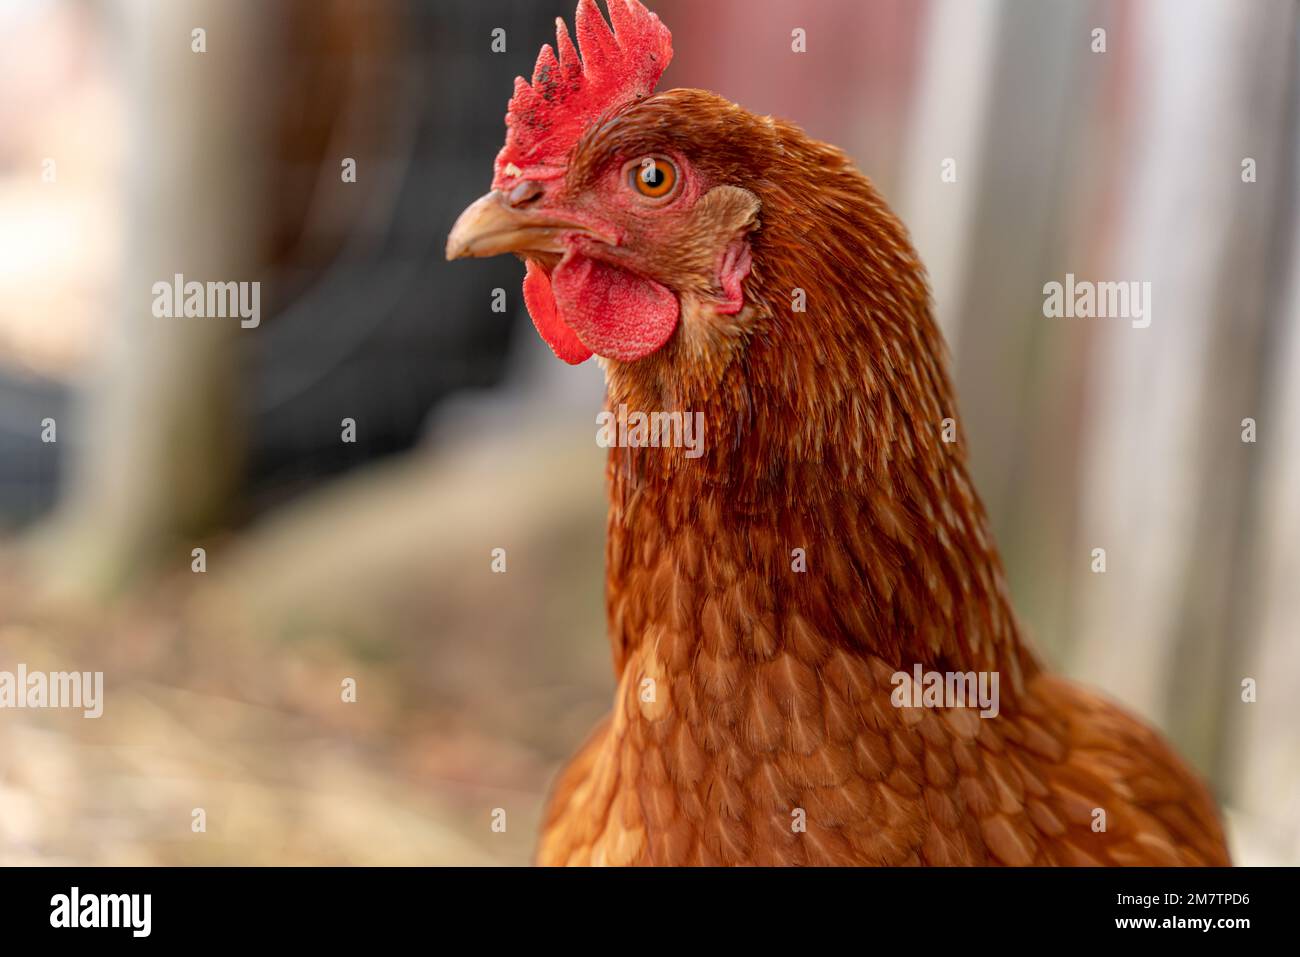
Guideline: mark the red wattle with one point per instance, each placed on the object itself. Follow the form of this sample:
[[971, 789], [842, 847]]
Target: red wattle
[[615, 313], [540, 301]]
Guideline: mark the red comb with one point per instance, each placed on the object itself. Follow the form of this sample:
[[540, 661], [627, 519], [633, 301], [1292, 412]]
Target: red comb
[[546, 118]]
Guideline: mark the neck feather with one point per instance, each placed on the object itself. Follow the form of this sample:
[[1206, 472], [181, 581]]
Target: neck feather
[[831, 502]]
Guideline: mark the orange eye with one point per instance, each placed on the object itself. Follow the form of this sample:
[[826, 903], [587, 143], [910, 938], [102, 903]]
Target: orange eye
[[653, 177]]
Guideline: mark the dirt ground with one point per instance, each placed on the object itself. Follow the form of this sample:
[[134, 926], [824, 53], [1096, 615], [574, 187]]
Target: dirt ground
[[223, 690]]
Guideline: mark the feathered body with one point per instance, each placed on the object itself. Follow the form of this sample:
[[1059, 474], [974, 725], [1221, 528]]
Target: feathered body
[[754, 721]]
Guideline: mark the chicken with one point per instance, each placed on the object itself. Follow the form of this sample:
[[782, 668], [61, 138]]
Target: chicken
[[778, 600]]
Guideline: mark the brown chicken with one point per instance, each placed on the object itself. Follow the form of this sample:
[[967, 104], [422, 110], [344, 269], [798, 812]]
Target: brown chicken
[[775, 595]]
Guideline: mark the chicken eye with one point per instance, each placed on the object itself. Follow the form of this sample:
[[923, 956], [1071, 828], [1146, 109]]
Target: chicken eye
[[653, 177]]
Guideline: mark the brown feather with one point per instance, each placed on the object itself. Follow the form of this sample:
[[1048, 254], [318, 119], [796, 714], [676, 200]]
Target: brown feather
[[823, 433]]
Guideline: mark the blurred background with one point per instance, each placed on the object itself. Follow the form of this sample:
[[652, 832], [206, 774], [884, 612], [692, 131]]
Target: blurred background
[[125, 157]]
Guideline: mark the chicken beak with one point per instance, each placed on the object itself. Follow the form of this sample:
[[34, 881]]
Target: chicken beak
[[491, 225]]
